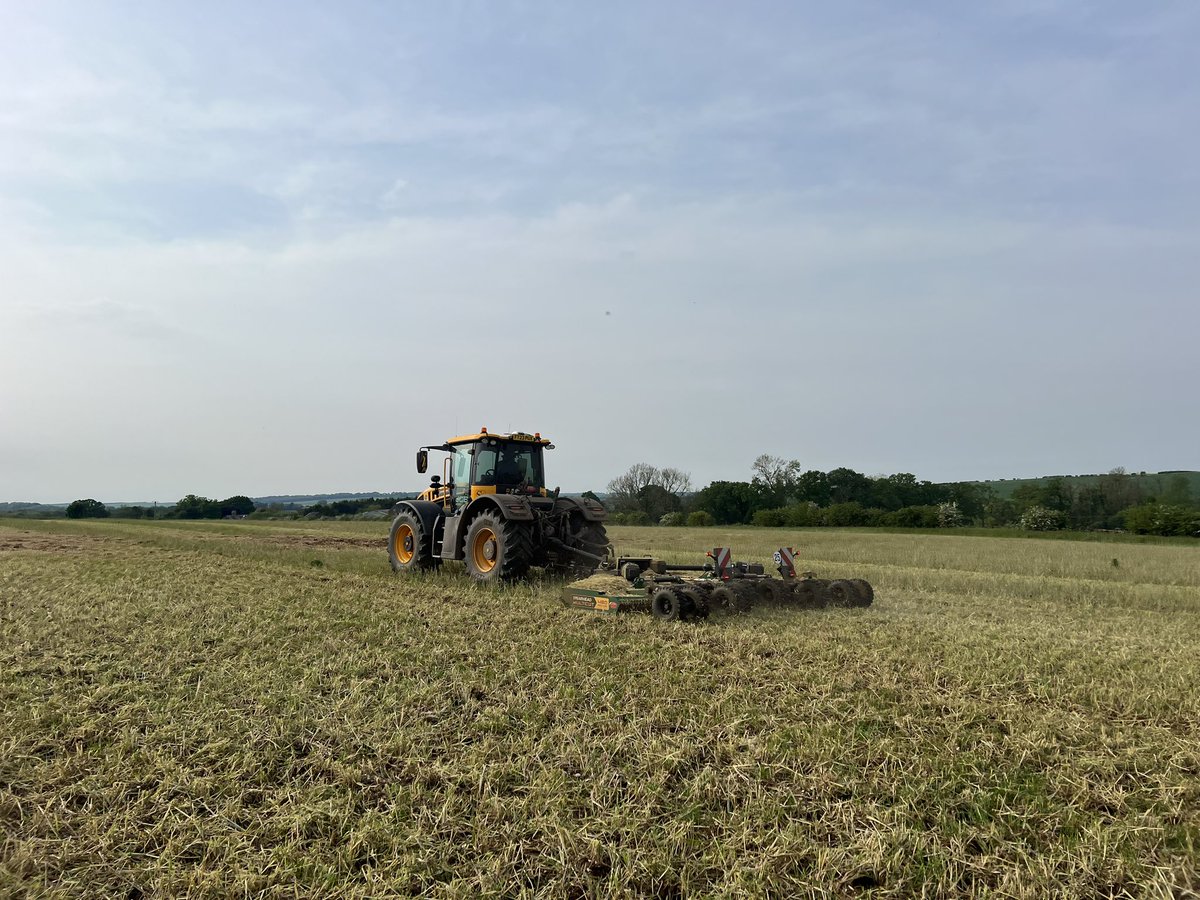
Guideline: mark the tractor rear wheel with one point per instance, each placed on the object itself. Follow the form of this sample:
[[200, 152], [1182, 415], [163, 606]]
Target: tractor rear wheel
[[497, 549], [591, 537], [409, 548]]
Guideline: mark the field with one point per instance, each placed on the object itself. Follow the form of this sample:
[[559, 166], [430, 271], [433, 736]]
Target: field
[[263, 709]]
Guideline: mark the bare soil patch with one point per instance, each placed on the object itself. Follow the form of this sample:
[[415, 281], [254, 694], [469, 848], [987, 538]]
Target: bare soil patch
[[314, 540], [46, 543]]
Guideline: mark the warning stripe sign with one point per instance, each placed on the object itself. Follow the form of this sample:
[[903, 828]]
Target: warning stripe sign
[[785, 557], [720, 557]]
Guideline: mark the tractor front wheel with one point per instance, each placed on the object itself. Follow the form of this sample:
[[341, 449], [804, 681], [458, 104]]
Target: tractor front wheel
[[497, 549], [409, 548]]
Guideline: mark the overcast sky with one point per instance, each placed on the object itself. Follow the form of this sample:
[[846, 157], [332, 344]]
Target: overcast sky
[[274, 247]]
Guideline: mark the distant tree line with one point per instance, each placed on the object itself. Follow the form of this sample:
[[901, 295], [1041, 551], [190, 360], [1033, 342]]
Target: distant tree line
[[781, 493], [196, 507], [333, 508], [190, 507], [87, 509]]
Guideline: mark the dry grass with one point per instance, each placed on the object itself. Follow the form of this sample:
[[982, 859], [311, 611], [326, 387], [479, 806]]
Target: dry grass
[[262, 709]]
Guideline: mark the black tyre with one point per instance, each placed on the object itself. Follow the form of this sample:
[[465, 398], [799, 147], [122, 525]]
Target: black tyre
[[866, 593], [810, 593], [668, 605], [774, 590], [842, 593], [695, 601], [497, 549], [588, 536], [409, 547], [729, 600], [747, 593]]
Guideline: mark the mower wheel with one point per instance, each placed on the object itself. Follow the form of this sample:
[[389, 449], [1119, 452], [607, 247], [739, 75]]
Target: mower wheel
[[729, 600], [866, 593], [668, 605], [696, 601], [775, 590], [842, 593], [810, 593]]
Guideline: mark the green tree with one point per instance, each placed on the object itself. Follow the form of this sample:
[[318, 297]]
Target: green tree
[[847, 515], [802, 515], [1042, 518], [656, 501], [972, 499], [729, 502], [1159, 518], [776, 479], [770, 518], [243, 506], [193, 507], [1178, 492], [950, 516], [1056, 494], [1120, 491], [848, 486], [87, 509], [903, 489], [813, 487], [999, 512]]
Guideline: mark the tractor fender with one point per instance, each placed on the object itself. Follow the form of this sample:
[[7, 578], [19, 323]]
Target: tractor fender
[[428, 513], [591, 510], [509, 506]]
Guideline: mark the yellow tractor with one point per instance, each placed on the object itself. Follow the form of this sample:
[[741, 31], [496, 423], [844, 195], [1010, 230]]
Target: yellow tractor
[[490, 508]]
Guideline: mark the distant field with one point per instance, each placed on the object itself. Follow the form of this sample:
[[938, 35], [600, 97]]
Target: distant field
[[263, 709], [1152, 484]]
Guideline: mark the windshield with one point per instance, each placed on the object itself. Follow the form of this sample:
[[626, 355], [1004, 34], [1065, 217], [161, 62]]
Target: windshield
[[508, 464]]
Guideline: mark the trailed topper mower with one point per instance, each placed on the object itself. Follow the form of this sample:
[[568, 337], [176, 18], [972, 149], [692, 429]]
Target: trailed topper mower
[[719, 586]]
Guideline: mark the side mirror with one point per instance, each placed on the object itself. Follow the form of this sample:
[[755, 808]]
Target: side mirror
[[422, 461]]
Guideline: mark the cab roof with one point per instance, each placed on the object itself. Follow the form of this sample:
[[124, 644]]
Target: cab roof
[[520, 436]]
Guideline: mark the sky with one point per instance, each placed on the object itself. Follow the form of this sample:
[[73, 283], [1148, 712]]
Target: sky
[[275, 247]]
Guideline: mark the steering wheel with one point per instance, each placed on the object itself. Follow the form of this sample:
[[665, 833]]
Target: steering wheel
[[489, 475]]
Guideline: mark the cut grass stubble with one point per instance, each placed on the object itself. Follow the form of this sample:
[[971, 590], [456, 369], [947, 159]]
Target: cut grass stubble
[[200, 710]]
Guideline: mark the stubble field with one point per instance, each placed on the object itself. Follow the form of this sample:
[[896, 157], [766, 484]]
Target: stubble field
[[264, 709]]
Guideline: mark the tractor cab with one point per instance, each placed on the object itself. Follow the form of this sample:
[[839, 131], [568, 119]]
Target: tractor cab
[[484, 463]]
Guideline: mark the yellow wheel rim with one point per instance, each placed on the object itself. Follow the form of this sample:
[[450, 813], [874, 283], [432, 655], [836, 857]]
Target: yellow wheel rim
[[485, 550], [404, 544]]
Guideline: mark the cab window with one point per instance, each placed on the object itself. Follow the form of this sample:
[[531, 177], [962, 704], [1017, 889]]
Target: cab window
[[460, 470], [508, 464]]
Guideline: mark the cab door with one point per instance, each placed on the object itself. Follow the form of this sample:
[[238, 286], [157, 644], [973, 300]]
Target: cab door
[[460, 474]]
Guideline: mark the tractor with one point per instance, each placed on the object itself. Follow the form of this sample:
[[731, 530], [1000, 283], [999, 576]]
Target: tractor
[[490, 508]]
